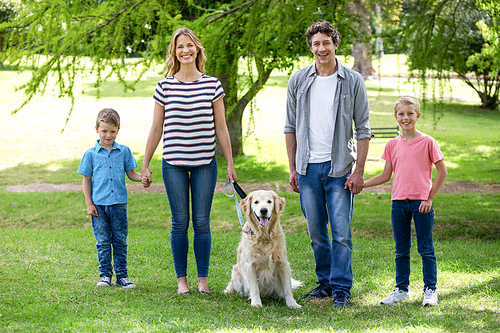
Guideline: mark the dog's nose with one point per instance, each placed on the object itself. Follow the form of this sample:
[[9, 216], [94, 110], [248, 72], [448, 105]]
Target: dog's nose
[[263, 211]]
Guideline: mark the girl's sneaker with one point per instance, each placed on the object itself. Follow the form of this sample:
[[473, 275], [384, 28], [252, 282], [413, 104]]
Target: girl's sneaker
[[395, 296], [125, 283], [430, 297], [105, 281]]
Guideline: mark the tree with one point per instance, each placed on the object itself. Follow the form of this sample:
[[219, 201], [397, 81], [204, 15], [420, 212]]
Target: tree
[[58, 36], [374, 15], [7, 13], [487, 61], [443, 36]]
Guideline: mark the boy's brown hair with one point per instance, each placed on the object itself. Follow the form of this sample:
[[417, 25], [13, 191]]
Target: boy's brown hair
[[407, 100], [108, 116]]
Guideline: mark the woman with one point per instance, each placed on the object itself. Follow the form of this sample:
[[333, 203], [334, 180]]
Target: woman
[[189, 113]]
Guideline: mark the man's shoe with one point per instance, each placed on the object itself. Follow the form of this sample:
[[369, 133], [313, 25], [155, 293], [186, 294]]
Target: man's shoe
[[395, 296], [340, 299], [430, 297], [125, 283], [105, 281], [321, 291]]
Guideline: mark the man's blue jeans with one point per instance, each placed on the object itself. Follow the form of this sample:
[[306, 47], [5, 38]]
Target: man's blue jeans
[[324, 199], [111, 231], [201, 180], [402, 212]]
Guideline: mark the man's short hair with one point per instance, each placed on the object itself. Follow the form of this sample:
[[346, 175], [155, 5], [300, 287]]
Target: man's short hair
[[325, 28], [108, 116], [407, 100]]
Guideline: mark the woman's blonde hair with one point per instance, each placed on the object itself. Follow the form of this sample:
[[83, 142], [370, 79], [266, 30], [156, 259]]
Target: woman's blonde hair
[[173, 64]]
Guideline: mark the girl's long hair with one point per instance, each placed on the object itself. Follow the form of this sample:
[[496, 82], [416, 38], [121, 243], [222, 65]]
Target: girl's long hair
[[173, 64]]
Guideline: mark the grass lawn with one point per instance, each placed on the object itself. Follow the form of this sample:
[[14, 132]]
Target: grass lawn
[[48, 262]]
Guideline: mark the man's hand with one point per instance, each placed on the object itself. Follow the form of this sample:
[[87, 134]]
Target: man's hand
[[355, 183], [294, 181]]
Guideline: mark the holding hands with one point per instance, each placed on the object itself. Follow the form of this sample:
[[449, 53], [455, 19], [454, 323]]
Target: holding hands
[[355, 183], [146, 178]]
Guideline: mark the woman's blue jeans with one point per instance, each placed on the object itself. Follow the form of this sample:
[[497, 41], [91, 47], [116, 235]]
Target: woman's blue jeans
[[178, 180], [111, 231], [402, 213], [324, 198]]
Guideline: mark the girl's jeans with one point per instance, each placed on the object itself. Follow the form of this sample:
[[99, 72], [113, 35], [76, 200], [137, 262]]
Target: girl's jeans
[[178, 180], [111, 230], [402, 212]]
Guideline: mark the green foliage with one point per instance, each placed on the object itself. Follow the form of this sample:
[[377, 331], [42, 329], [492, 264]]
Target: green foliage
[[118, 37], [59, 37], [443, 36]]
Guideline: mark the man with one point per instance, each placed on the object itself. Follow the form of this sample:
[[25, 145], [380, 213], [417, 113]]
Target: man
[[323, 100]]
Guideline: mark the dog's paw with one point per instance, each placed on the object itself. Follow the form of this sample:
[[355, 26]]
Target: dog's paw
[[294, 306], [256, 304]]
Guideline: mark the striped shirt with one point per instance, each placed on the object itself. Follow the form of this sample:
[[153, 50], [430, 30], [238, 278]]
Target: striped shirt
[[189, 128]]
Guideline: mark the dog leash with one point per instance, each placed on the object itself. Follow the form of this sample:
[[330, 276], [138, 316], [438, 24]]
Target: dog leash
[[237, 189]]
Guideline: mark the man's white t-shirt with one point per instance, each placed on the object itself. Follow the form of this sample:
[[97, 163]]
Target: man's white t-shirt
[[322, 120]]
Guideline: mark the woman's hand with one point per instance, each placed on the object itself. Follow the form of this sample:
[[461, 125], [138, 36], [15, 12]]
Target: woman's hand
[[146, 177], [231, 174]]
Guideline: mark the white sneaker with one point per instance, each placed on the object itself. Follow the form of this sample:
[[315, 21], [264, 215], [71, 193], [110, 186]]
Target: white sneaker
[[105, 282], [395, 296], [430, 297]]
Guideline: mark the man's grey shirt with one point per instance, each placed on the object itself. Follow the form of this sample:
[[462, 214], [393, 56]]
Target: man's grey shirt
[[350, 104]]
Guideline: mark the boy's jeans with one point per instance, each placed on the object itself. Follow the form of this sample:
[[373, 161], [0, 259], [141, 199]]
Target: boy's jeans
[[402, 212], [202, 180], [111, 230], [324, 198]]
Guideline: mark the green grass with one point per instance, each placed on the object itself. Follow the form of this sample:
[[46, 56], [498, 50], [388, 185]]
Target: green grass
[[48, 262], [48, 278]]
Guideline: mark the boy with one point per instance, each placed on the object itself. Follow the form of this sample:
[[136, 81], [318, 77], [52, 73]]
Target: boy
[[411, 156], [103, 168]]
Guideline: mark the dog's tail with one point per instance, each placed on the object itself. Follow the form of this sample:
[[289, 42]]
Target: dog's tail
[[296, 284]]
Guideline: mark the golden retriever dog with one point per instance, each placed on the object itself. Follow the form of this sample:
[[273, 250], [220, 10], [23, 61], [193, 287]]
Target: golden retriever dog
[[262, 268]]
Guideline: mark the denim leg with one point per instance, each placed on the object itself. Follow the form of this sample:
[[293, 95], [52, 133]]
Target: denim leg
[[176, 180], [119, 233], [423, 226], [203, 181], [313, 204], [401, 226], [340, 203], [102, 232]]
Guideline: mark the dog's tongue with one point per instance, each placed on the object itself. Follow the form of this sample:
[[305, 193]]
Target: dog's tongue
[[264, 221]]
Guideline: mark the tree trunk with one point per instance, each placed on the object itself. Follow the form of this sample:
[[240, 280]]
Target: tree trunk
[[236, 106], [362, 51]]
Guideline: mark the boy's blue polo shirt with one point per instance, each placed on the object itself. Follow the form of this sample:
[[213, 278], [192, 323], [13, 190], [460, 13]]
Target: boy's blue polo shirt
[[107, 169]]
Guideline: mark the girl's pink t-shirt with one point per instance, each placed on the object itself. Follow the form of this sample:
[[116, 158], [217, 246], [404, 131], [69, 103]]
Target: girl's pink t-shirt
[[412, 165]]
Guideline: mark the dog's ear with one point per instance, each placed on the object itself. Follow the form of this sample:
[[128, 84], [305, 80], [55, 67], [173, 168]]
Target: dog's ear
[[279, 203], [245, 203]]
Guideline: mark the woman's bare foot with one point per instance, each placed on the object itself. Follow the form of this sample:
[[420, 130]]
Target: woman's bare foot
[[203, 286], [182, 287]]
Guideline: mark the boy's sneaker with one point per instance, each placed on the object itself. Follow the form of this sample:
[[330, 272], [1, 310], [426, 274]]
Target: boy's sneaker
[[430, 297], [105, 281], [395, 296], [125, 283], [321, 291]]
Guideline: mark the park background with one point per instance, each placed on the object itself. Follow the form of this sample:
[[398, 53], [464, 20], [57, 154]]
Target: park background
[[48, 262]]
